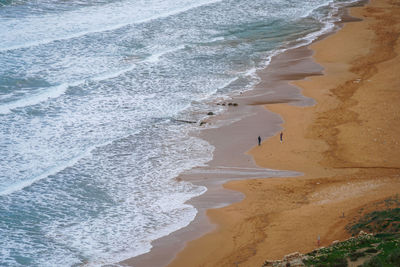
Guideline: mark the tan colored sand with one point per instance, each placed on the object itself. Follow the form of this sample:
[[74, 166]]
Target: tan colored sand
[[347, 145]]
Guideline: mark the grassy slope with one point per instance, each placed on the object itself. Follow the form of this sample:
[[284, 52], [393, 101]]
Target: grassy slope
[[380, 249]]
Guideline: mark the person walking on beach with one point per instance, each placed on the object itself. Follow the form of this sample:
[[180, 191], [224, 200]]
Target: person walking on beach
[[259, 140], [281, 137]]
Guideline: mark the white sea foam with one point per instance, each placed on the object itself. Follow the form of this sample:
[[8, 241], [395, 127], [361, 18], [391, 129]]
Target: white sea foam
[[310, 11], [156, 57], [49, 93], [328, 21], [328, 25], [154, 207], [104, 203], [15, 187], [53, 92], [34, 31]]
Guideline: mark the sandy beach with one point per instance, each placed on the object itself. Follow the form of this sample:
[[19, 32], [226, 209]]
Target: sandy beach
[[346, 145], [147, 133]]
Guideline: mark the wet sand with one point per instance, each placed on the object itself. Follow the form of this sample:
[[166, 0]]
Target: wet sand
[[347, 146], [232, 133], [331, 143]]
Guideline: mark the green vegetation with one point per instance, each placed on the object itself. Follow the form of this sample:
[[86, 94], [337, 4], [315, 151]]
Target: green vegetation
[[381, 249], [338, 254], [391, 259], [378, 250], [378, 222]]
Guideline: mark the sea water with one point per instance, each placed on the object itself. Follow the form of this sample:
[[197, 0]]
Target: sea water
[[91, 98]]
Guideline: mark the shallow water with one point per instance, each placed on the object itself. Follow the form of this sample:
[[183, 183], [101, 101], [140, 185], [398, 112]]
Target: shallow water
[[90, 94]]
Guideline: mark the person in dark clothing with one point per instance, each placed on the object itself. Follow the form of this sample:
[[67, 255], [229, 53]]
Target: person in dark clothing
[[259, 140], [281, 137]]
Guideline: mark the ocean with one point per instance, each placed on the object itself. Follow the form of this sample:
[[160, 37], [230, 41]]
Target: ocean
[[92, 98]]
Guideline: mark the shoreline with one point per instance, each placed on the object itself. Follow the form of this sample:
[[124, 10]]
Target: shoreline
[[340, 178], [167, 247], [221, 169]]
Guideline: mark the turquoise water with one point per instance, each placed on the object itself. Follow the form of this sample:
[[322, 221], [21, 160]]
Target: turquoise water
[[89, 97]]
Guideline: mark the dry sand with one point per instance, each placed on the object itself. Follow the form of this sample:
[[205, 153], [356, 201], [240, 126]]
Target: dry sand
[[347, 145]]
